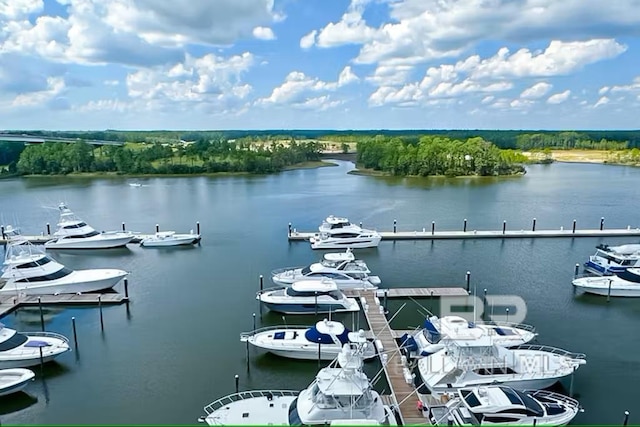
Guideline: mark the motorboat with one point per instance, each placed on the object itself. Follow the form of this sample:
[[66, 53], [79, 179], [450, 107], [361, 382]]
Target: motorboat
[[502, 405], [323, 341], [308, 297], [170, 238], [480, 362], [338, 225], [362, 239], [14, 380], [74, 233], [25, 349], [613, 259], [342, 267], [436, 331], [28, 270], [340, 394], [624, 284]]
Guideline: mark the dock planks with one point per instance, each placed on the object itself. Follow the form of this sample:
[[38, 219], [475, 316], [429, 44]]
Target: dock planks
[[8, 303]]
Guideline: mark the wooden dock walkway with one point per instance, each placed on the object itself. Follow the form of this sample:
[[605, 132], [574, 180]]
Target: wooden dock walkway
[[8, 303], [411, 292], [394, 368], [489, 234]]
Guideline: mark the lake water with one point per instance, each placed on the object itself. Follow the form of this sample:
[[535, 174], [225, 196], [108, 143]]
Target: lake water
[[176, 347]]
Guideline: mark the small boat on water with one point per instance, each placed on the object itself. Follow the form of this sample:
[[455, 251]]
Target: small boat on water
[[28, 270], [169, 238], [308, 297], [14, 380], [613, 259], [324, 340], [24, 349], [624, 284], [342, 267], [432, 337], [74, 233], [339, 233], [502, 405], [340, 394]]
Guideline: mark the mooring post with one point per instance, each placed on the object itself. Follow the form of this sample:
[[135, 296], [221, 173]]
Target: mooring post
[[507, 315], [319, 350], [533, 227], [198, 228], [573, 372], [123, 227], [433, 228], [289, 229], [254, 321], [100, 309], [48, 229], [601, 223], [316, 300], [535, 422], [450, 420], [41, 362], [126, 289], [468, 280], [464, 228], [484, 302], [574, 226], [609, 291], [157, 228], [626, 418], [360, 224], [237, 383], [385, 298], [2, 229], [576, 271], [41, 313], [395, 223], [75, 335], [261, 282], [504, 226]]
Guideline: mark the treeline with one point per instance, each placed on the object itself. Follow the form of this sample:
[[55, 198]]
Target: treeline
[[203, 156], [566, 141], [438, 155]]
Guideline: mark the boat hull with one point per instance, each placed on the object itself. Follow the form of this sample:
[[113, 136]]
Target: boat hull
[[629, 293], [282, 280], [80, 281], [534, 384], [293, 308], [14, 380], [182, 241], [344, 243], [104, 241]]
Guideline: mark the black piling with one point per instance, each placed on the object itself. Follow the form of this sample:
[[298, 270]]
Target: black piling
[[626, 418], [289, 229], [261, 282], [261, 286], [464, 227], [124, 228], [48, 229], [41, 314], [360, 224], [2, 230], [237, 383], [41, 362], [533, 227], [574, 226], [433, 228], [602, 223], [507, 315], [484, 301], [535, 422], [100, 309], [609, 291], [75, 335], [395, 223], [504, 226], [319, 350], [157, 228], [198, 228], [316, 301], [254, 321], [576, 271], [126, 289], [468, 280], [573, 374], [385, 299]]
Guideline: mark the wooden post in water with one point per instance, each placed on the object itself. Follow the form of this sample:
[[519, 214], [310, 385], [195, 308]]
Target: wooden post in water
[[468, 280], [41, 362], [123, 227], [602, 223], [573, 372], [261, 282], [385, 299], [574, 226], [626, 418], [507, 315], [464, 228], [609, 291], [319, 351], [198, 228], [289, 229], [504, 226], [41, 314], [157, 228], [533, 227], [75, 335], [395, 223], [126, 289], [484, 301], [254, 321], [259, 301], [433, 228], [316, 300], [2, 229], [577, 271], [100, 309], [48, 229], [237, 383]]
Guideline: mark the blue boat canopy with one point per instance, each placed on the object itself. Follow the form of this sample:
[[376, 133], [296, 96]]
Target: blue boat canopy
[[432, 332], [313, 335], [408, 342]]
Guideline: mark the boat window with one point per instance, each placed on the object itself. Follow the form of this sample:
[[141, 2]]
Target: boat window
[[47, 277], [345, 235], [533, 407], [294, 417], [629, 276], [338, 225], [335, 295], [628, 262], [80, 225], [306, 270], [495, 371], [16, 340], [470, 398], [494, 419], [357, 275], [327, 263], [82, 236], [41, 261]]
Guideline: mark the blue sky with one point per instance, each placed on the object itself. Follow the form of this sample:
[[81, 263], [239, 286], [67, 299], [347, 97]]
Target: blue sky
[[332, 64]]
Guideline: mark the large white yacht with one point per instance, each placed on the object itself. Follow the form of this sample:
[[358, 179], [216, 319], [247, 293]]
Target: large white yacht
[[432, 337], [28, 270], [74, 233], [170, 238], [339, 233], [23, 349], [323, 341], [624, 284], [308, 297], [613, 259], [480, 362], [502, 405], [341, 393], [342, 267]]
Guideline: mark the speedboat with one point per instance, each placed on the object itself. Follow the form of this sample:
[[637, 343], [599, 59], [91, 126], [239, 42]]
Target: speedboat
[[341, 267], [14, 380], [308, 297], [28, 270], [323, 341], [613, 259], [24, 349], [502, 405], [170, 238], [73, 233], [436, 331], [341, 240], [624, 284], [340, 394], [480, 362], [337, 225]]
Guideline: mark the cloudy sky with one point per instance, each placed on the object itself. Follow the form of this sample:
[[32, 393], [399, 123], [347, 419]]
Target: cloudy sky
[[334, 64]]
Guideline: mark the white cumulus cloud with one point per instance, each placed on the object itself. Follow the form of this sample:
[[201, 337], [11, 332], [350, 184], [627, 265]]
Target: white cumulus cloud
[[559, 98], [263, 33], [538, 90]]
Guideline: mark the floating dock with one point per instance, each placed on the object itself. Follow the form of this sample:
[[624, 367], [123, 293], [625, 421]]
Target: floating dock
[[8, 303]]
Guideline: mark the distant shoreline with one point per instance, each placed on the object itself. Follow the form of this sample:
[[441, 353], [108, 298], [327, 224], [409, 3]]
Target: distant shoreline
[[377, 173]]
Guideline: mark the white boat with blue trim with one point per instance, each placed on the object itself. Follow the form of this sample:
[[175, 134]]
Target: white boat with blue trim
[[15, 380], [323, 341], [624, 284], [340, 394], [613, 259], [341, 267], [308, 297], [170, 238], [24, 349]]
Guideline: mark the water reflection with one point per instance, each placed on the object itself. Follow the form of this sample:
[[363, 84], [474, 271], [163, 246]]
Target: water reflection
[[16, 402]]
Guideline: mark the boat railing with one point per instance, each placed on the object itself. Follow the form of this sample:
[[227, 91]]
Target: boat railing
[[46, 335], [273, 288], [523, 326], [550, 349], [244, 336], [285, 269], [552, 396], [212, 407]]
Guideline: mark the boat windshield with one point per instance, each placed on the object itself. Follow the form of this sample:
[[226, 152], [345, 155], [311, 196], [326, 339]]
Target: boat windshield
[[330, 264], [306, 271], [294, 417], [629, 276], [79, 225], [533, 407], [41, 261], [83, 236], [47, 277], [16, 340]]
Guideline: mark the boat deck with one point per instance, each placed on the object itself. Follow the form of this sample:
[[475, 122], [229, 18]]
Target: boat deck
[[8, 303]]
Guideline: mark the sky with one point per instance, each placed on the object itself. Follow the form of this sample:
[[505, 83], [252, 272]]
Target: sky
[[319, 64]]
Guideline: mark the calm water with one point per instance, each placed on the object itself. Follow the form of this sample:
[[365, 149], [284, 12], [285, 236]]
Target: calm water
[[176, 347]]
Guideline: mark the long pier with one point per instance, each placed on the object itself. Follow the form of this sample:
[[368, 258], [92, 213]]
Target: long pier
[[9, 303]]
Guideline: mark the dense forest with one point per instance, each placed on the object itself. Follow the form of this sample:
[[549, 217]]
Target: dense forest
[[202, 156], [438, 155]]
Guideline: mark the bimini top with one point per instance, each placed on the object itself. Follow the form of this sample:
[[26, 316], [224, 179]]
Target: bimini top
[[340, 256], [314, 286], [324, 330], [331, 219], [495, 399]]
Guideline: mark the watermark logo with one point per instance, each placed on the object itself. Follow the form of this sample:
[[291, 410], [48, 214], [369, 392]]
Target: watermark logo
[[498, 308]]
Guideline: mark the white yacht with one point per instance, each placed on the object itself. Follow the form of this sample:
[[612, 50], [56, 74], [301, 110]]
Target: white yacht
[[73, 233], [170, 238], [342, 267], [480, 362], [340, 394], [22, 349], [323, 341], [502, 405], [436, 331], [613, 259], [624, 284], [339, 233], [308, 297], [28, 270], [14, 380]]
